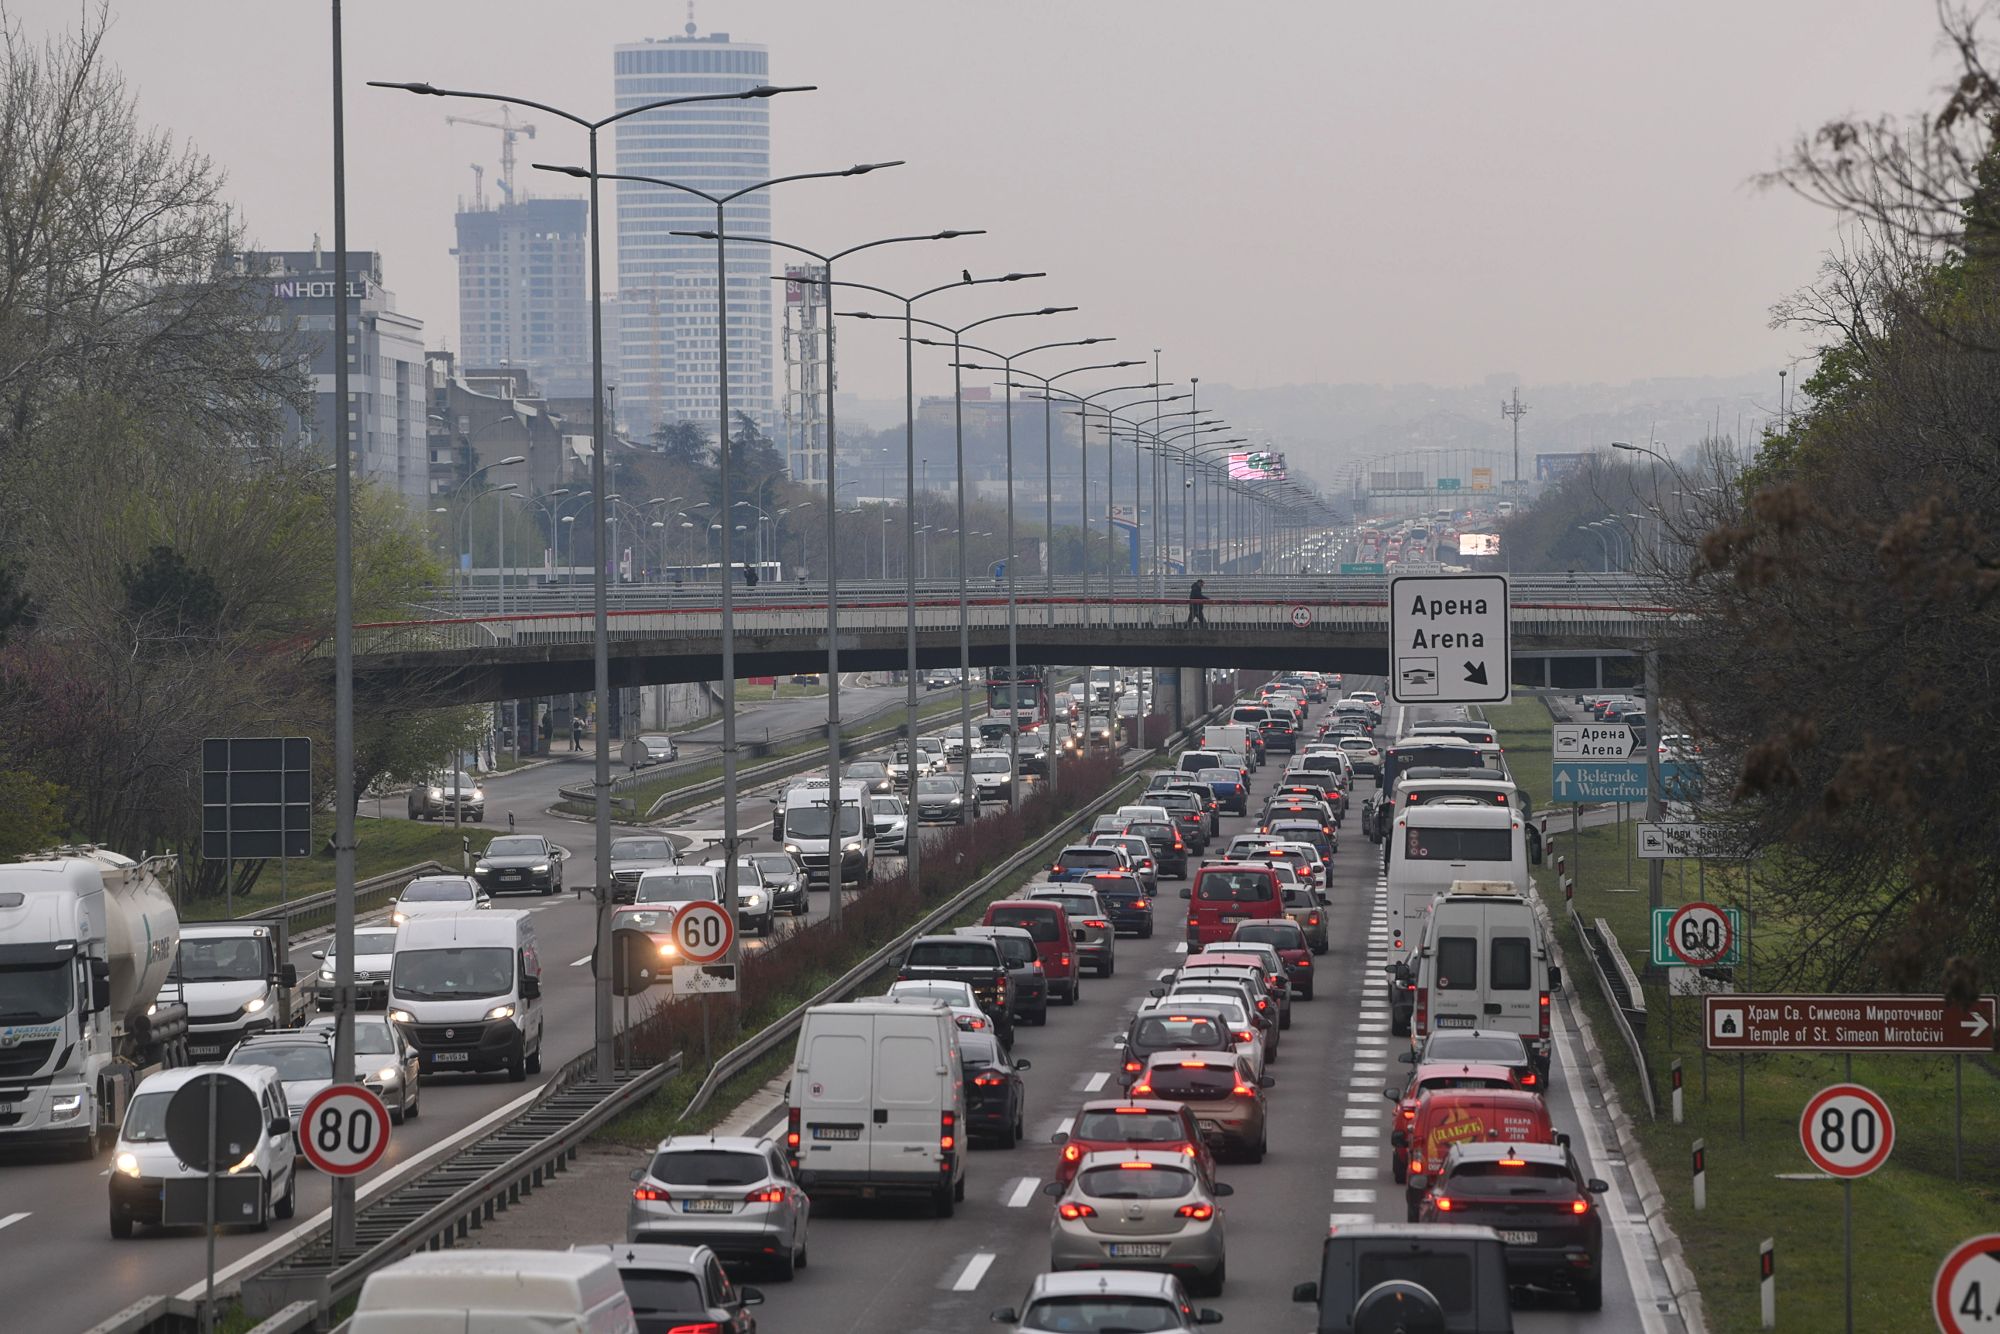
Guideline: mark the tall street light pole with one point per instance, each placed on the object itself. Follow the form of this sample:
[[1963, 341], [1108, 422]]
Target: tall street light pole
[[602, 1046], [343, 675]]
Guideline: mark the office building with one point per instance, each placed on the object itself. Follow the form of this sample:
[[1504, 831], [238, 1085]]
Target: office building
[[523, 291], [665, 341]]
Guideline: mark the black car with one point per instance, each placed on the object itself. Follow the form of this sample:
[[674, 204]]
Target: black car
[[1190, 814], [1539, 1203], [1280, 734], [520, 864], [1125, 901], [784, 879], [1170, 850], [1027, 984], [1164, 1026], [995, 1101], [968, 959]]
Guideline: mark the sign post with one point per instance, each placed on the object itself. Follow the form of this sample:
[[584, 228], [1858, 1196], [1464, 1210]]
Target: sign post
[[1449, 639], [704, 934], [1847, 1133]]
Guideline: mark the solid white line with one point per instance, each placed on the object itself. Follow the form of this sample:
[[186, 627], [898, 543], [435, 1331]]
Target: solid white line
[[1024, 1192], [11, 1219], [578, 963], [1064, 1127], [1096, 1081], [375, 1186], [975, 1269]]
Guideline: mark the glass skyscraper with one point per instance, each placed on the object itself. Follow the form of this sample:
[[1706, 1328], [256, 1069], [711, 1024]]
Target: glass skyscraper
[[666, 335]]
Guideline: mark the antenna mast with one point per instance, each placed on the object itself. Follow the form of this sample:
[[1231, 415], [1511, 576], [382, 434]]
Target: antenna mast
[[1515, 409]]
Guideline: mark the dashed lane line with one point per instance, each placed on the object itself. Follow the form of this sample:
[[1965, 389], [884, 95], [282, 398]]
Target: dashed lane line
[[1096, 1081], [975, 1270], [11, 1219], [1023, 1192]]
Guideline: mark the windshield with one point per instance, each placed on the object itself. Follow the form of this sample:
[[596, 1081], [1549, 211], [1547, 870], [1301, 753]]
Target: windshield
[[709, 1167], [1128, 1182], [439, 891], [372, 942], [1076, 905], [888, 806], [1102, 857], [515, 847], [775, 865], [35, 992], [227, 959], [460, 781], [1462, 845], [1182, 1032], [976, 1051], [1039, 924], [685, 888], [633, 850], [870, 772], [990, 764], [937, 787], [146, 1119], [453, 974], [1475, 1049], [304, 1060], [370, 1039], [951, 993], [812, 821], [1283, 935], [1016, 951]]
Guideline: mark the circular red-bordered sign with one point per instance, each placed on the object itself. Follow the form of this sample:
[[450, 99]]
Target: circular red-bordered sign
[[1302, 617], [1699, 934], [344, 1130], [1847, 1130], [703, 932], [1965, 1298]]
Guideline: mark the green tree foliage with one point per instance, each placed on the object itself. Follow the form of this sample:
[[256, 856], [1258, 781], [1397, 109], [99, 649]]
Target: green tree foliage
[[30, 813]]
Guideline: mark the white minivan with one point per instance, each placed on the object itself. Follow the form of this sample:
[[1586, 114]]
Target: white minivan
[[1430, 846], [467, 992], [878, 1103], [495, 1292], [1484, 963], [150, 1184]]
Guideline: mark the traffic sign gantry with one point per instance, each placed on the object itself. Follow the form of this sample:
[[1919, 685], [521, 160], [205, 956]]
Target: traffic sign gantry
[[703, 932], [1965, 1297], [1847, 1023], [344, 1130], [1847, 1130], [1448, 639]]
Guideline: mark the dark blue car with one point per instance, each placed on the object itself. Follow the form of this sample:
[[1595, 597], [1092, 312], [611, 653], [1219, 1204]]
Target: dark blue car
[[1230, 792], [1079, 860], [1125, 901]]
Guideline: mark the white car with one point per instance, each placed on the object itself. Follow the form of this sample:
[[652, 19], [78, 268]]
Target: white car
[[992, 775], [437, 895], [384, 1060], [754, 909], [143, 1165]]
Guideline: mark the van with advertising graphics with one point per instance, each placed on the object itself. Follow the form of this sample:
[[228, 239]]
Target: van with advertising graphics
[[877, 1104], [467, 992], [1448, 1116], [1483, 963], [1430, 847]]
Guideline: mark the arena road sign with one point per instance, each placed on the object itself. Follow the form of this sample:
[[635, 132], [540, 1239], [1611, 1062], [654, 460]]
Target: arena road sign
[[1448, 639]]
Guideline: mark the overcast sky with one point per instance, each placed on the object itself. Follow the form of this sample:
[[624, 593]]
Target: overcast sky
[[1272, 191]]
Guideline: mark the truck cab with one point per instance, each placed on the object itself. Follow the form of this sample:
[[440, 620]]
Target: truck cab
[[237, 980]]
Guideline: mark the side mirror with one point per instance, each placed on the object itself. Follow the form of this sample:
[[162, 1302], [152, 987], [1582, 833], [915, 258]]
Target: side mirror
[[1207, 1316], [1023, 1064], [1562, 1138], [1187, 891], [1555, 978], [1596, 1187], [281, 1125], [1302, 1292], [1534, 846], [1004, 1315], [288, 974], [1053, 1189], [638, 1174], [1392, 1094], [748, 1296], [1268, 1081], [319, 954], [1222, 1188], [1157, 991], [1399, 1139], [531, 987], [1060, 1137], [100, 986]]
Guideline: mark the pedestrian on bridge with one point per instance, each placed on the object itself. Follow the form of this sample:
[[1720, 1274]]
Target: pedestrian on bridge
[[1196, 597]]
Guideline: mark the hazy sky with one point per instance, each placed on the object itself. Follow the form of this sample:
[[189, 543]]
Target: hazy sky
[[1272, 191]]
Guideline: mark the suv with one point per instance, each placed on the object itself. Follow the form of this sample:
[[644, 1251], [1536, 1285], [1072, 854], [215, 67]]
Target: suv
[[439, 794], [1089, 923], [1027, 984], [1050, 927], [975, 962], [1538, 1202], [1382, 1276]]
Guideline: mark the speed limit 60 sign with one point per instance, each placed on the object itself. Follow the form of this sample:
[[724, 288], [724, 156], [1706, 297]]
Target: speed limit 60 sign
[[1847, 1130], [344, 1130], [1697, 935], [703, 932]]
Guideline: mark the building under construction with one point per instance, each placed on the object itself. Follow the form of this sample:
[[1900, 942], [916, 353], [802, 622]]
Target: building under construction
[[806, 336]]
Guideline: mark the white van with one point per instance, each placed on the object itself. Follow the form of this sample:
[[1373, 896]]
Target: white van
[[1430, 847], [495, 1292], [1484, 963], [467, 992], [877, 1103], [1235, 742], [800, 820], [150, 1184]]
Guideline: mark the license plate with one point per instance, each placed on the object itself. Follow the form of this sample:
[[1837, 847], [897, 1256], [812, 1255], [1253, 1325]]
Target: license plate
[[1233, 917], [510, 875], [1519, 1238], [707, 1207], [1138, 1250], [1456, 1021], [451, 1056], [836, 1132], [204, 1051]]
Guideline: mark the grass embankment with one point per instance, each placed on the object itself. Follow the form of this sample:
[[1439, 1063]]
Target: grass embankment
[[380, 846], [1906, 1216]]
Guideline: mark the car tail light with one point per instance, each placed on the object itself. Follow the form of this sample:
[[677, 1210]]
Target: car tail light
[[698, 1327], [1198, 1212], [1579, 1206], [1141, 903], [1313, 920], [1064, 960], [1075, 1211], [1095, 921], [989, 1079], [1244, 1091], [1443, 1202], [1513, 1162], [1305, 963], [1528, 1079], [948, 1131], [1142, 1089], [1056, 869], [1409, 1111], [792, 1130], [1544, 1008], [1423, 1015], [768, 1195], [1071, 1153], [1246, 1034], [1133, 1067], [651, 1194]]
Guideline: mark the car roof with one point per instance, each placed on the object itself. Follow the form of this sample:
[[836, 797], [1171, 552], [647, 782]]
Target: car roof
[[168, 1081], [1177, 1056], [648, 1255], [992, 932]]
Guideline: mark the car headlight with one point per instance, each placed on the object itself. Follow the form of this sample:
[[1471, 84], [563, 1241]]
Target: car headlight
[[853, 847], [437, 794], [398, 917], [542, 869], [389, 1074], [401, 1017], [256, 1003], [127, 1163], [667, 949], [501, 1012], [791, 847], [326, 972], [479, 794], [753, 900], [67, 1105]]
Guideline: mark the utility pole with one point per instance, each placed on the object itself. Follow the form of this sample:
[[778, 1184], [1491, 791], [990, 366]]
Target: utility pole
[[1515, 409]]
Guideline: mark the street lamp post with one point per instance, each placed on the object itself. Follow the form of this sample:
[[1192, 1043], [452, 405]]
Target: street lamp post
[[600, 610]]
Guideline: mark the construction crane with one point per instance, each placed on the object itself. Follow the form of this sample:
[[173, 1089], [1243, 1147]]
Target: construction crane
[[478, 188], [509, 132]]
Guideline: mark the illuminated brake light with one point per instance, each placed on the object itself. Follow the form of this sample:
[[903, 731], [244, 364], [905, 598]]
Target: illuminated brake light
[[1244, 1091], [769, 1195], [1513, 1162], [650, 1194], [1071, 1153], [1194, 1065], [1133, 1067], [1544, 1007], [792, 1131], [1579, 1206], [1076, 1211], [1443, 1203], [947, 1131], [1198, 1212], [1142, 1089], [1246, 1035]]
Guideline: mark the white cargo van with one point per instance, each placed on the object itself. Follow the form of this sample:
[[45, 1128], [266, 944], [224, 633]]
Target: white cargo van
[[467, 992], [1483, 963], [1234, 741], [495, 1292], [150, 1184], [877, 1103], [1430, 846], [801, 820]]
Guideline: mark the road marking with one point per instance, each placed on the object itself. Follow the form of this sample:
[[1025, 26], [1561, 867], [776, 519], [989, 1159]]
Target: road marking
[[1064, 1127], [1355, 1195], [1096, 1081], [1024, 1192], [11, 1219], [1361, 1113], [975, 1269], [1181, 948], [1359, 1132], [1349, 1220], [1355, 1173], [1372, 1039], [578, 963]]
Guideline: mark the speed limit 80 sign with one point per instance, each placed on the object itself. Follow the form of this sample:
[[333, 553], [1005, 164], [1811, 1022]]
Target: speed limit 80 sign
[[344, 1130], [1847, 1130]]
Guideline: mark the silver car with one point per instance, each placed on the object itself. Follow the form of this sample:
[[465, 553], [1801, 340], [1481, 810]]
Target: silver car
[[1140, 1209], [384, 1060], [1060, 1303], [731, 1194], [634, 856], [1089, 924]]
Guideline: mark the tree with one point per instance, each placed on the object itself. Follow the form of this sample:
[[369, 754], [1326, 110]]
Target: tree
[[30, 813], [683, 444]]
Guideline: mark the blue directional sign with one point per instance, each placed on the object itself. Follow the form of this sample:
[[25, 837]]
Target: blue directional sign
[[1614, 781]]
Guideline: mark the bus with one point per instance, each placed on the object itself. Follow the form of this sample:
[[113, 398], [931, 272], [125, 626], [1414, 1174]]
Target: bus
[[1021, 699]]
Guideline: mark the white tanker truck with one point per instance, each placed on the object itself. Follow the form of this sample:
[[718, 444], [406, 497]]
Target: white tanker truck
[[87, 940]]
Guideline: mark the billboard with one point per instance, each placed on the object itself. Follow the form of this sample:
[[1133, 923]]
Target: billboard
[[1555, 467], [1257, 466], [1478, 544], [1482, 479]]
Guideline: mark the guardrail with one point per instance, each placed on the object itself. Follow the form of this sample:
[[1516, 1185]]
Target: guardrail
[[585, 793], [1622, 992], [375, 892]]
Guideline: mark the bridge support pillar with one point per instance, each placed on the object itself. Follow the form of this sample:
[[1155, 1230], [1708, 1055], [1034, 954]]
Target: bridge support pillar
[[1167, 696]]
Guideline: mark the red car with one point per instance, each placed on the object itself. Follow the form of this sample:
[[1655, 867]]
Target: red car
[[1226, 893], [1133, 1123]]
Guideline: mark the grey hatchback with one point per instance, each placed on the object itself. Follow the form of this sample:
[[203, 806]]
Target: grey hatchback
[[732, 1194]]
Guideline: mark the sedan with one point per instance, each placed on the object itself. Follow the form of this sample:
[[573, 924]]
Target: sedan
[[657, 750], [304, 1065], [872, 773], [783, 878], [1063, 1303], [732, 1194], [384, 1060], [1129, 1209], [435, 895], [526, 863], [996, 1101]]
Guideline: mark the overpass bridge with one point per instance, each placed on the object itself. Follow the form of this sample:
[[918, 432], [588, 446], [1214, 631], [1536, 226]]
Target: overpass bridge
[[1569, 632]]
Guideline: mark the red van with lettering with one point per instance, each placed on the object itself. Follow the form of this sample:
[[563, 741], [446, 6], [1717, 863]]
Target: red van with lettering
[[1226, 893], [1045, 920]]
